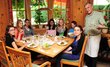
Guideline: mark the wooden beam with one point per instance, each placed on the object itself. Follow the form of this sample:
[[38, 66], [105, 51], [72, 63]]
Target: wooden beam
[[50, 6], [69, 10], [28, 9], [10, 12]]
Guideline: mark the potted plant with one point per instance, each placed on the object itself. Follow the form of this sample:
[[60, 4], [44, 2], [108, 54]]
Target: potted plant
[[38, 18], [38, 14]]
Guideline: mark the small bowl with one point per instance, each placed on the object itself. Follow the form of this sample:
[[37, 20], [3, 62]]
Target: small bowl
[[71, 34]]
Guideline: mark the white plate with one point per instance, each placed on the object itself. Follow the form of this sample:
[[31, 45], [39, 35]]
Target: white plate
[[63, 43], [50, 42], [70, 33], [32, 45]]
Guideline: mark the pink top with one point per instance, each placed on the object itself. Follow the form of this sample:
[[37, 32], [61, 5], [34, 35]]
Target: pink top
[[19, 34], [51, 32]]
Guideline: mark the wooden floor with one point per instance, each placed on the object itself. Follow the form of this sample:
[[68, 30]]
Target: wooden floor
[[99, 64], [103, 64]]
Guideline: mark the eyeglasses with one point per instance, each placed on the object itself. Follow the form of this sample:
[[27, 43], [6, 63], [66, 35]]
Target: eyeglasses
[[11, 30], [27, 22]]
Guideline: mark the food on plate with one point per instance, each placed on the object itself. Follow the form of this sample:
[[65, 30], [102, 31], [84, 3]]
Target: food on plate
[[46, 46], [32, 45], [62, 43], [28, 39], [36, 37]]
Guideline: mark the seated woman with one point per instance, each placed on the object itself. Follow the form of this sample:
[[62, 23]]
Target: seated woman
[[71, 30], [73, 24], [61, 29], [51, 25], [28, 30], [19, 32], [73, 52], [51, 30], [9, 36]]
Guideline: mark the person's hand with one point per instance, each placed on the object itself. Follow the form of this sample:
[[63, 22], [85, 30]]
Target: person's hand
[[83, 28], [16, 40], [24, 45], [21, 31], [100, 26], [68, 50]]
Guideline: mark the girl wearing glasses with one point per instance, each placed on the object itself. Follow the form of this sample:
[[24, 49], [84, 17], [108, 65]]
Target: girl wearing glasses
[[10, 38]]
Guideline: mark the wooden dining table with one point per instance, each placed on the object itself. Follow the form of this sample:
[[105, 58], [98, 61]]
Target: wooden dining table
[[53, 50]]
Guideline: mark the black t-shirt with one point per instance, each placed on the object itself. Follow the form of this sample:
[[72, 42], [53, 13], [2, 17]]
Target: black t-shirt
[[9, 40]]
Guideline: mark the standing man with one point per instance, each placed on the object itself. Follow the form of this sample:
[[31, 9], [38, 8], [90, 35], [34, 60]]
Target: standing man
[[93, 22]]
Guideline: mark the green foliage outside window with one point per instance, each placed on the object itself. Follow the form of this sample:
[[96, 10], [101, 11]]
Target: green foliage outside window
[[57, 12], [18, 6], [38, 2], [38, 17], [106, 13]]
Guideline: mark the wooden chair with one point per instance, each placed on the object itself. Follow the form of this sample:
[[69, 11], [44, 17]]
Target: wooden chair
[[79, 62], [23, 58], [4, 60]]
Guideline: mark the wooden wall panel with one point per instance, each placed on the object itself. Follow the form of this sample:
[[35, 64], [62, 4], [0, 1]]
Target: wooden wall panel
[[79, 11], [76, 11], [10, 12], [4, 17], [69, 11]]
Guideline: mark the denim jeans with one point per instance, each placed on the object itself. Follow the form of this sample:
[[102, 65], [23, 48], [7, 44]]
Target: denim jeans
[[66, 56]]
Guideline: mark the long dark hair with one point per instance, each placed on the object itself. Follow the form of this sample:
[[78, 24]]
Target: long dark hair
[[79, 26], [7, 29], [50, 25], [29, 23], [74, 22]]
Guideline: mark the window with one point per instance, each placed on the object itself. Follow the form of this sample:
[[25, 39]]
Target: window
[[104, 7], [18, 10], [59, 9], [40, 16]]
